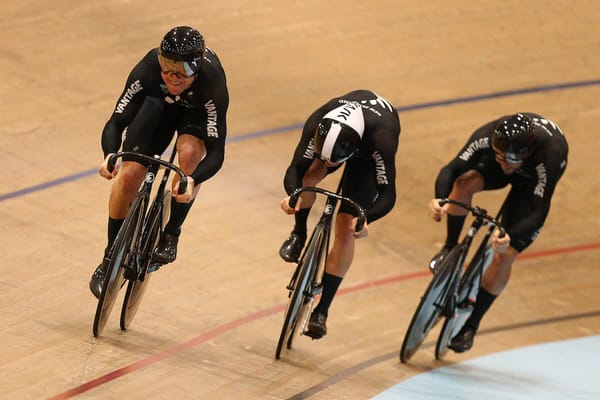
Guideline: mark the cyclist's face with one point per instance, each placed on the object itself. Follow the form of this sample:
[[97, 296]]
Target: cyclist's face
[[176, 82], [507, 167]]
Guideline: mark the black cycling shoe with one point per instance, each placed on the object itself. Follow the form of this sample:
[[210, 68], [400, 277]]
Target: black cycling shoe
[[317, 327], [434, 264], [166, 251], [97, 279], [463, 341], [292, 247]]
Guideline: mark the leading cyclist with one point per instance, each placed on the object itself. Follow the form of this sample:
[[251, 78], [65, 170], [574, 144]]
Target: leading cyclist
[[178, 87]]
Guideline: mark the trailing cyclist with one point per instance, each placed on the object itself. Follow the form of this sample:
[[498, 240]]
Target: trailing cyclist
[[362, 129], [524, 150]]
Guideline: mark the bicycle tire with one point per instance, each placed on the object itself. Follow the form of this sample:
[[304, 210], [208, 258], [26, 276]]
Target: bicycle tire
[[302, 316], [136, 288], [114, 279], [429, 310], [466, 296], [297, 298]]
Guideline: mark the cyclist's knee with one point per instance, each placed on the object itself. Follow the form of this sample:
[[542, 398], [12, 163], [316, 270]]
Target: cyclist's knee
[[507, 257], [191, 150], [131, 176]]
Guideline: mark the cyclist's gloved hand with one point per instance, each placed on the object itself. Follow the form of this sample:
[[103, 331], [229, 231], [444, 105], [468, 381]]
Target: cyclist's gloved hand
[[105, 172], [500, 243], [437, 211]]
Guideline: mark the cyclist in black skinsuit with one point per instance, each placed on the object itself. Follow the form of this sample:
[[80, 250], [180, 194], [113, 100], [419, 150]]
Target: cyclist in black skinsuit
[[524, 150], [179, 87], [362, 129]]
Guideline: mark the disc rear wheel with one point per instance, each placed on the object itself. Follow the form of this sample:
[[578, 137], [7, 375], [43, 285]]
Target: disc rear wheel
[[136, 288], [298, 302], [466, 297]]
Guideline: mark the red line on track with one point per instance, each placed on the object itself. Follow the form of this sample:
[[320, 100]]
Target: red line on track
[[270, 311]]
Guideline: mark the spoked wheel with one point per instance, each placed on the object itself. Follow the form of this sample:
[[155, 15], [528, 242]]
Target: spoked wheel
[[430, 307], [114, 279], [136, 288], [298, 301], [467, 294]]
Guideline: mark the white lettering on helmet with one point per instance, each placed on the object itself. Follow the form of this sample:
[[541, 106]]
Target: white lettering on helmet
[[350, 114]]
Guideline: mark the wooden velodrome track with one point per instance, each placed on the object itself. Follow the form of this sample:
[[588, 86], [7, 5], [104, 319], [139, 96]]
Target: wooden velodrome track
[[209, 322]]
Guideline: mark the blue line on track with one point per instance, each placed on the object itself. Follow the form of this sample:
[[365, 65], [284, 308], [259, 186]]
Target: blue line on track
[[252, 135]]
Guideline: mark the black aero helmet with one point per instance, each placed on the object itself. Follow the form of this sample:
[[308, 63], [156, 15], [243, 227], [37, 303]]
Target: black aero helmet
[[513, 137], [181, 51], [339, 133]]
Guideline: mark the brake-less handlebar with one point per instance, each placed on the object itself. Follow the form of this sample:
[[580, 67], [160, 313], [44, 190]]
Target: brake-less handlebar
[[361, 217], [152, 160], [477, 212]]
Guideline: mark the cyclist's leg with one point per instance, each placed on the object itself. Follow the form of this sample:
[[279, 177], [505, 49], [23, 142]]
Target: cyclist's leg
[[361, 186], [338, 262], [192, 143], [191, 150], [141, 137], [122, 194], [144, 135], [498, 273]]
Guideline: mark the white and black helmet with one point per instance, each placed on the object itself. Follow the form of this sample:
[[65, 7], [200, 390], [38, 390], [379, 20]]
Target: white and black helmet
[[339, 133]]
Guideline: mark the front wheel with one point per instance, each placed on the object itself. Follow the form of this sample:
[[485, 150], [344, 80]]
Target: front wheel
[[431, 305], [297, 306], [119, 258]]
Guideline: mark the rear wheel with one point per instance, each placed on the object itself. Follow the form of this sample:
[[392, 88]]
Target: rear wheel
[[299, 303], [431, 305], [467, 295], [136, 288], [119, 257]]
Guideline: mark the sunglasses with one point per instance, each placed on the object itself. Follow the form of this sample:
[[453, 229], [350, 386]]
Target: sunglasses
[[177, 74], [510, 158]]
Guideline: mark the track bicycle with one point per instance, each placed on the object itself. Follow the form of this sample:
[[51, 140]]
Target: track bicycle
[[305, 283], [130, 258], [453, 289]]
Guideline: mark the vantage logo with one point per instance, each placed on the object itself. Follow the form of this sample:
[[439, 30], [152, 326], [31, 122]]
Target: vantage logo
[[132, 90]]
